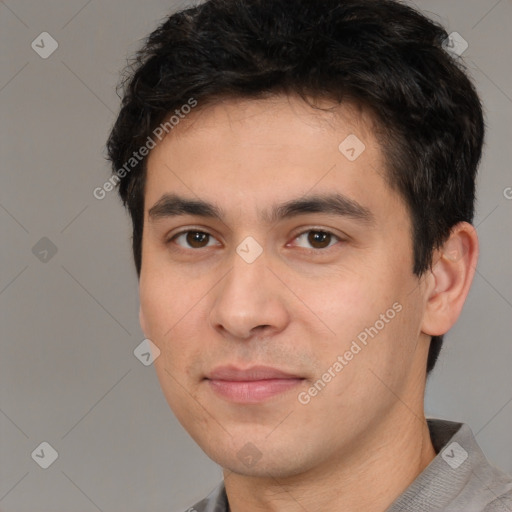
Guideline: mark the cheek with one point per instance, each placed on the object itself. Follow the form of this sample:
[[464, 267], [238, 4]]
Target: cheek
[[163, 292], [345, 303], [171, 310], [154, 308], [168, 317], [368, 314]]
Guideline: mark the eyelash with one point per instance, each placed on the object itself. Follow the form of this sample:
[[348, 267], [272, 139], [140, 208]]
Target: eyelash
[[312, 250]]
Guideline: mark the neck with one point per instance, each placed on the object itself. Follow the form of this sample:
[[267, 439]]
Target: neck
[[387, 460]]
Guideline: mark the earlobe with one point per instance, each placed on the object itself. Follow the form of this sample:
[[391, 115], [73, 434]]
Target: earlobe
[[452, 274]]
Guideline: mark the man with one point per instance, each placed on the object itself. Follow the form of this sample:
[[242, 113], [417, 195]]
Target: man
[[301, 179]]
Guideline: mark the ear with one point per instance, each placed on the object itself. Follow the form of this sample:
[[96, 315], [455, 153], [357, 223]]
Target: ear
[[450, 278]]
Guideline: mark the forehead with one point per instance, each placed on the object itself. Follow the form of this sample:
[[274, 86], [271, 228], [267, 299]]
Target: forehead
[[264, 118], [244, 153]]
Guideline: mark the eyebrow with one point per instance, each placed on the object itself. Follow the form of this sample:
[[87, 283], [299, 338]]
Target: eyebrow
[[172, 205]]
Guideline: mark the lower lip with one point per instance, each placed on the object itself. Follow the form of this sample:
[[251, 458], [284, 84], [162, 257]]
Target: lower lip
[[252, 391]]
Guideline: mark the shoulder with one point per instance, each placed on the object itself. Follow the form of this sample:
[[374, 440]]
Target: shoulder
[[502, 503], [216, 501], [493, 487], [200, 506]]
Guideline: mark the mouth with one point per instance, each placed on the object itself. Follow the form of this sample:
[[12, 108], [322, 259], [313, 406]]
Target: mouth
[[252, 385]]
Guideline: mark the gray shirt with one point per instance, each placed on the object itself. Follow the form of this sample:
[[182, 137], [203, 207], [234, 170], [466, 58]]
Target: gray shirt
[[458, 479]]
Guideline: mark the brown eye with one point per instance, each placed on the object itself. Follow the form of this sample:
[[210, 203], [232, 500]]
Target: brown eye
[[317, 239], [192, 239], [196, 238]]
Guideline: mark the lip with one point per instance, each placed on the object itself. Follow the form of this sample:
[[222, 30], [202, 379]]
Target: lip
[[232, 373], [251, 385]]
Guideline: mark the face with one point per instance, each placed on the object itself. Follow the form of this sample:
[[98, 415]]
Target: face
[[301, 262]]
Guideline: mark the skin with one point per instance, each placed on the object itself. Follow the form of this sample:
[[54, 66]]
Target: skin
[[363, 438]]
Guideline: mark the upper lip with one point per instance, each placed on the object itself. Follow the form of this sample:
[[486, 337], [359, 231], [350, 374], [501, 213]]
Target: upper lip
[[233, 373]]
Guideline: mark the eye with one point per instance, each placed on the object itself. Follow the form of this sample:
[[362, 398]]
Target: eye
[[193, 239], [319, 239]]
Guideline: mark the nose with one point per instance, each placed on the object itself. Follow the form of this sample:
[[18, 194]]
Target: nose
[[249, 301]]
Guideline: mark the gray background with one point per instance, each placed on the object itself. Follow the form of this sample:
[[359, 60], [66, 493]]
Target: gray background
[[69, 324]]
